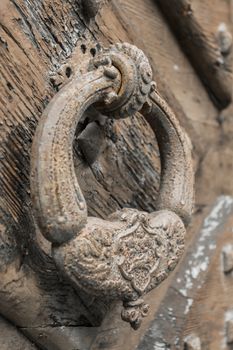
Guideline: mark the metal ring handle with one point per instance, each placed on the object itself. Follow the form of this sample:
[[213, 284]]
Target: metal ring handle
[[60, 207], [132, 252]]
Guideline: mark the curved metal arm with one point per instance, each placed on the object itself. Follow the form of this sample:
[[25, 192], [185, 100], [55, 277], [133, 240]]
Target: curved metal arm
[[60, 207], [177, 178], [132, 252]]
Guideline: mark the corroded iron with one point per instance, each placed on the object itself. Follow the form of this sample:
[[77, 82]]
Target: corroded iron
[[131, 252]]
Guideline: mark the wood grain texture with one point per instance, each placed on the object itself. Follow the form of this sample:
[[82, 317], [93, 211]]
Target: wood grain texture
[[175, 300], [38, 41], [199, 300], [213, 305], [194, 37], [10, 336], [183, 89]]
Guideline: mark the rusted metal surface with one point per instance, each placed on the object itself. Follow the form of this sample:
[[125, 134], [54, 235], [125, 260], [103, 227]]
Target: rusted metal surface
[[131, 252]]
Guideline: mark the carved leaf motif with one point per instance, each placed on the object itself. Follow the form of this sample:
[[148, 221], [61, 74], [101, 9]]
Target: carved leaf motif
[[139, 258]]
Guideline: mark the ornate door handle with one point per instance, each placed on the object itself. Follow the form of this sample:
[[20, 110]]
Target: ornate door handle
[[127, 255]]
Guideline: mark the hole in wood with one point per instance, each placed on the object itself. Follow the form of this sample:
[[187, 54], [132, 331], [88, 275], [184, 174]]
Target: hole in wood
[[83, 48], [68, 72], [93, 51]]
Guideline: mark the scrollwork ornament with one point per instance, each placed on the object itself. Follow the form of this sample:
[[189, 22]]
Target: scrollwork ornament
[[136, 77]]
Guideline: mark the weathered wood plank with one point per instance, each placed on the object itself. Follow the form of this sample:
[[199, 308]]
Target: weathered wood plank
[[78, 338], [201, 46], [36, 39], [175, 301], [199, 299], [11, 338], [149, 31]]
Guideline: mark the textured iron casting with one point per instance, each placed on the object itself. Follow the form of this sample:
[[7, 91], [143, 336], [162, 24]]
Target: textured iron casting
[[132, 252]]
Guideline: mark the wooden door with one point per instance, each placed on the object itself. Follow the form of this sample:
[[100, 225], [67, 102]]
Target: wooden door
[[189, 45]]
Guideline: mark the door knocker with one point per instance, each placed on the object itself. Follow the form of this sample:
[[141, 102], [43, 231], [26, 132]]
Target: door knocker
[[132, 252]]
